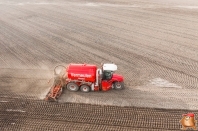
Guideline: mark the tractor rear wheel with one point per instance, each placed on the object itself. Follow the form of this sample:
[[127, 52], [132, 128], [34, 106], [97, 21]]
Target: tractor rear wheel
[[72, 86], [118, 85], [85, 88]]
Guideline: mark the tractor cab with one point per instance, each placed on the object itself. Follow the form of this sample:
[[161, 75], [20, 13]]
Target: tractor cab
[[107, 75], [110, 79], [108, 70]]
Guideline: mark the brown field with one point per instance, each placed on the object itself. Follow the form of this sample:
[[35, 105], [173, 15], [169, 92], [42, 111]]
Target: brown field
[[153, 42]]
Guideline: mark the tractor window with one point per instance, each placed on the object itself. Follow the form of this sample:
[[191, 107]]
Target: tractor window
[[107, 75]]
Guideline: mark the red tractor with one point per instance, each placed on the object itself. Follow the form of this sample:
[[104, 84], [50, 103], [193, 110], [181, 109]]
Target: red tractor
[[86, 77]]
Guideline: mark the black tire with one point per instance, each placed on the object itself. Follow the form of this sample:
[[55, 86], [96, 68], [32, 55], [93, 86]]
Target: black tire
[[118, 85], [85, 88], [72, 86]]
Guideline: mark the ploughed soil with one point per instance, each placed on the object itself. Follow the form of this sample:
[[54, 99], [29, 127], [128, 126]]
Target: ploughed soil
[[154, 44]]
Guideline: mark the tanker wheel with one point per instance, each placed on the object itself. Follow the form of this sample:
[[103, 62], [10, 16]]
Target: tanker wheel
[[72, 87], [118, 85], [85, 88]]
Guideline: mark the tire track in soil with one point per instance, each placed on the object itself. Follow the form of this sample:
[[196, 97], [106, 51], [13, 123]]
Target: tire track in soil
[[59, 51], [26, 113], [32, 114], [109, 16], [138, 51]]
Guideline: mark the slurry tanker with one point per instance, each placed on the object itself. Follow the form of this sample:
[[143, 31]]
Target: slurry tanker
[[86, 78]]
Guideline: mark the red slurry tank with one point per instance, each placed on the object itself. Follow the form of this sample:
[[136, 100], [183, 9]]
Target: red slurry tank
[[85, 72], [86, 77]]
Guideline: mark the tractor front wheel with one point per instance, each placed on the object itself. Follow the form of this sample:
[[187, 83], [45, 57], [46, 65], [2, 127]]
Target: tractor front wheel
[[72, 86], [118, 85]]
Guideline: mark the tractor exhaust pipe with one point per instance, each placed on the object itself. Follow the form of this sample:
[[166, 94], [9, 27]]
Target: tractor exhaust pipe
[[98, 72]]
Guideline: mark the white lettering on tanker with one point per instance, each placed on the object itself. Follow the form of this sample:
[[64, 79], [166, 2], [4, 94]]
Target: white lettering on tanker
[[81, 75]]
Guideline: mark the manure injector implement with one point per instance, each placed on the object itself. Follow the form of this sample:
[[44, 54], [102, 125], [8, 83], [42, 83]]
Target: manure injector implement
[[86, 78]]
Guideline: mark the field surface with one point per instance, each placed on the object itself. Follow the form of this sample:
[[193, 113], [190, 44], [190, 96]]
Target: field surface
[[153, 42]]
